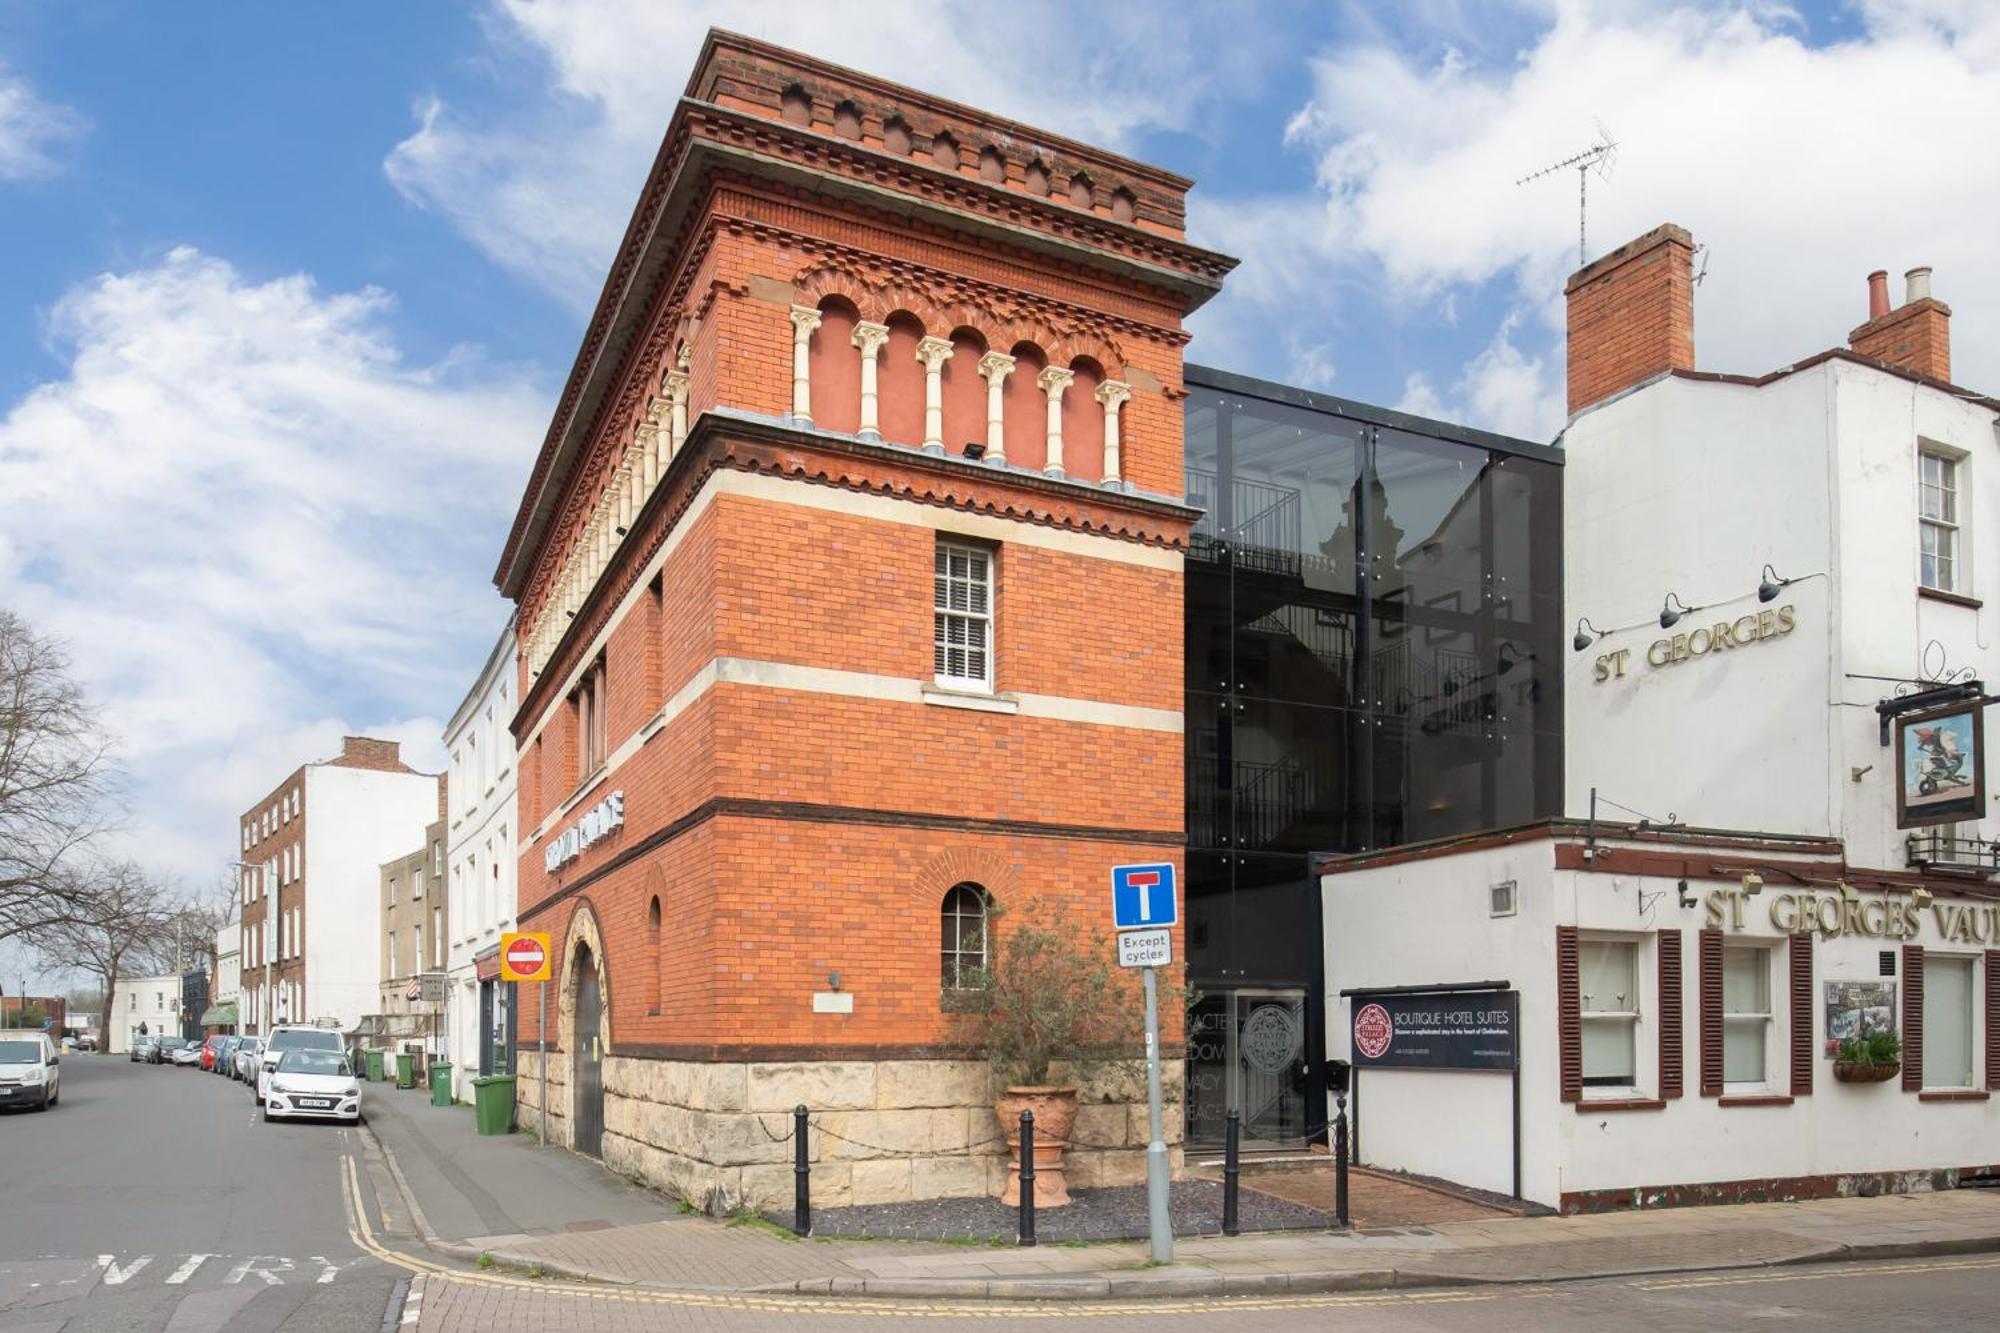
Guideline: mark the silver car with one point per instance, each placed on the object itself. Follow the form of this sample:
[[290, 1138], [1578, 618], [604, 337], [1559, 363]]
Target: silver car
[[245, 1059]]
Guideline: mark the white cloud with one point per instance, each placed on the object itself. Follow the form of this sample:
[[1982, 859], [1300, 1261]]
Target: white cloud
[[1801, 168], [546, 191], [257, 527], [31, 129]]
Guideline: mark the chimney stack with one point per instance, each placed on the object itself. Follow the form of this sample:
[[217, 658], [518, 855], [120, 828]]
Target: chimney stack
[[1915, 336], [1631, 315]]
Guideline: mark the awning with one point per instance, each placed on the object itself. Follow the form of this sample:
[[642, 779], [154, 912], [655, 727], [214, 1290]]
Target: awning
[[219, 1016]]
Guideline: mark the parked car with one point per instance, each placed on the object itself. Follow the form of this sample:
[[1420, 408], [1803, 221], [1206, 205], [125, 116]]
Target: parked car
[[67, 1045], [142, 1050], [289, 1038], [245, 1065], [188, 1054], [210, 1050], [163, 1050], [29, 1073], [225, 1056], [310, 1081], [88, 1041]]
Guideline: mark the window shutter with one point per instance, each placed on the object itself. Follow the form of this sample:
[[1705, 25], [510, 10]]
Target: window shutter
[[1672, 1047], [1569, 1014], [1993, 1018], [1913, 1018], [1711, 1013], [1800, 953]]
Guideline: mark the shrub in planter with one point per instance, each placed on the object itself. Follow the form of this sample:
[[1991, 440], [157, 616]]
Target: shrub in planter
[[1051, 998], [1875, 1058]]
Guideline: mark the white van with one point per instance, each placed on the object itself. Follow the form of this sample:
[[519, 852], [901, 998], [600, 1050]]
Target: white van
[[290, 1037], [29, 1069]]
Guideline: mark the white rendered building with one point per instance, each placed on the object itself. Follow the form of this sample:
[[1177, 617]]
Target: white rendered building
[[481, 859], [310, 868], [151, 1003], [1738, 884]]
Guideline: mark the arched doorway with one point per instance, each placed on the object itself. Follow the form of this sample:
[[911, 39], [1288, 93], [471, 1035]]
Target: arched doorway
[[587, 1056]]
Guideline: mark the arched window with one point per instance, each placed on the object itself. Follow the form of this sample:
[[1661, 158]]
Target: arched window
[[901, 384], [1024, 407], [653, 955], [962, 938], [835, 368]]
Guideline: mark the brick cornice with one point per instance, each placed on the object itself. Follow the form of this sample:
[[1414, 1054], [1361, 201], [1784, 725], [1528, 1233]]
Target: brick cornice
[[729, 441]]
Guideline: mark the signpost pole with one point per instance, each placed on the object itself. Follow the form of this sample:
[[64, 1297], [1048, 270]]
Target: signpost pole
[[542, 1060], [1159, 1222]]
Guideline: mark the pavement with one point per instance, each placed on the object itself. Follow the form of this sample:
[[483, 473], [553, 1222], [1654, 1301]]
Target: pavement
[[509, 1202]]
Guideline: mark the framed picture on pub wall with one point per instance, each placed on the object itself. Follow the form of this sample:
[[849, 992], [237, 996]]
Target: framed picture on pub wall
[[1940, 766]]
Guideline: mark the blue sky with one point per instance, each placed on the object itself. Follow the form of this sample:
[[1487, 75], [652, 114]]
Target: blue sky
[[288, 289]]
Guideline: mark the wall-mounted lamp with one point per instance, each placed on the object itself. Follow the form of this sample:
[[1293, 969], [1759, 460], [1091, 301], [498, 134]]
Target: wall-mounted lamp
[[975, 450], [1586, 634], [833, 981], [1672, 610], [1753, 883], [1920, 897], [1771, 585]]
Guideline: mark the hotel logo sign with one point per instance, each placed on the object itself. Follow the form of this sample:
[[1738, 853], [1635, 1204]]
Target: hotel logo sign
[[596, 823], [1706, 641]]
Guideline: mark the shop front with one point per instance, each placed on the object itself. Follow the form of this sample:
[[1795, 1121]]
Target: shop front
[[1704, 1016]]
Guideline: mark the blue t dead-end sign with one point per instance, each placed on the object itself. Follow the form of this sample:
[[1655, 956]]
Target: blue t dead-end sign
[[1143, 896]]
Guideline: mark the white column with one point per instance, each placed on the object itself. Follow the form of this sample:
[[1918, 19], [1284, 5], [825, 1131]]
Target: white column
[[932, 353], [646, 440], [1052, 382], [996, 368], [1112, 393], [804, 320], [677, 410], [869, 338]]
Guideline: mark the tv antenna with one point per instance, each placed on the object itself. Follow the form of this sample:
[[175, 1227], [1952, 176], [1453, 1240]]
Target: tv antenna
[[1599, 157]]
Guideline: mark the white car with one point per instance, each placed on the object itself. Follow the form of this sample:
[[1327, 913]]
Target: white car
[[314, 1083], [290, 1038], [187, 1053], [29, 1070], [246, 1059]]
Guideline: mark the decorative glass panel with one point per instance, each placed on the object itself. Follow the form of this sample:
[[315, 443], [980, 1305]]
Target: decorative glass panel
[[1947, 1022]]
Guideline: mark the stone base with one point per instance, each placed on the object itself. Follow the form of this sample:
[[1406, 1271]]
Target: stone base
[[720, 1135]]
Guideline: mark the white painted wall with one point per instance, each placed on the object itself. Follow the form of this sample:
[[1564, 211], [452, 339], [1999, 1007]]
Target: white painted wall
[[356, 819], [1692, 487], [482, 841], [1426, 921], [154, 1001]]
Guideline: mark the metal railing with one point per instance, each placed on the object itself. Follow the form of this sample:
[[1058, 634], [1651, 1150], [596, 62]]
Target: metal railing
[[1934, 849]]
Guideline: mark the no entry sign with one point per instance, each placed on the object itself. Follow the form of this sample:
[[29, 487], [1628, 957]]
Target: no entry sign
[[524, 956]]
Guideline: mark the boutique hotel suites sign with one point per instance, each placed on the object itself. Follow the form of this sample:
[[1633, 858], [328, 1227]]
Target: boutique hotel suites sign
[[1744, 631]]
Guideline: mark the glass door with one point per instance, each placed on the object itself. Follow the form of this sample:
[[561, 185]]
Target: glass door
[[1247, 1053]]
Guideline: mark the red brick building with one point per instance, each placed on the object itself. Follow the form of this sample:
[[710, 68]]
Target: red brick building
[[850, 584]]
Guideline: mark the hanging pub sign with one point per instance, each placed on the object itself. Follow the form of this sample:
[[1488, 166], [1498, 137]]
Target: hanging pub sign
[[1441, 1030], [1941, 765]]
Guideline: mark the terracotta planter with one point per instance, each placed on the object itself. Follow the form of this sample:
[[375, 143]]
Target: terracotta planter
[[1853, 1071], [1055, 1117]]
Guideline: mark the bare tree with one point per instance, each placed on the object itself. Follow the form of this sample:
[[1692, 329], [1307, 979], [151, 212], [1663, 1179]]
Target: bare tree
[[128, 923], [55, 792]]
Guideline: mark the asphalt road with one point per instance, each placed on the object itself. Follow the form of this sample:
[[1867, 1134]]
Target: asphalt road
[[1913, 1296], [154, 1198]]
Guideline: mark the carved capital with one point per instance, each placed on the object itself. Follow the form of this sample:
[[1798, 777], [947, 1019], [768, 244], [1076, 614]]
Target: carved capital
[[804, 320], [996, 366], [933, 352], [676, 384], [870, 337], [1113, 393], [1054, 380]]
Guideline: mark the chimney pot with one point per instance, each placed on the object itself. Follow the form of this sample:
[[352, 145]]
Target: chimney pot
[[1878, 293], [1917, 284]]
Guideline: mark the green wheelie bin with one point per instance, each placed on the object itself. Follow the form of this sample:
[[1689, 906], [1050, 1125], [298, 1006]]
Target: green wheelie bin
[[375, 1074], [440, 1083], [493, 1103], [406, 1070]]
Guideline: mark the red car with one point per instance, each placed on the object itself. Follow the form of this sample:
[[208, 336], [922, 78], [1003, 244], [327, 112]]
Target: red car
[[211, 1050]]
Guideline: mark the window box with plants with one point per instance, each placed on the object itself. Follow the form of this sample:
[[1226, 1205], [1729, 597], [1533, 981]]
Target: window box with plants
[[1875, 1058]]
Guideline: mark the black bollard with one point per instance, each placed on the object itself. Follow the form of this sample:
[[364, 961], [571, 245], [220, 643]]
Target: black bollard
[[802, 1209], [1027, 1235], [1231, 1168], [1340, 1159]]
